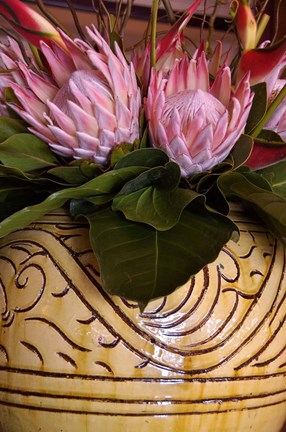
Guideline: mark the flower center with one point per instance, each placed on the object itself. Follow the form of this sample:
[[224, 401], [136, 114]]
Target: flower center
[[78, 79], [189, 102]]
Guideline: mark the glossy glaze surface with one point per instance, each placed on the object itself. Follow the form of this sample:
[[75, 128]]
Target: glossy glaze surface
[[209, 358]]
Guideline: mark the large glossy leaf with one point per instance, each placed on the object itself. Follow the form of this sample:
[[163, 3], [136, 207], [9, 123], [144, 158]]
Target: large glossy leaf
[[159, 208], [270, 207], [154, 197], [276, 176], [140, 263], [27, 153]]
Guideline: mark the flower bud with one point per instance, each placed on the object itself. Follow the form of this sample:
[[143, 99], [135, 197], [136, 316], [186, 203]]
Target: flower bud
[[31, 25], [246, 25]]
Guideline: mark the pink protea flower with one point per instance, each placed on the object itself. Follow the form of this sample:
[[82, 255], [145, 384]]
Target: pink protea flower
[[88, 103], [194, 121]]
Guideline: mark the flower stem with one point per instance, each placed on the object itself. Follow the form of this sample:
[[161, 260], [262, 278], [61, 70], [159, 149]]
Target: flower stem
[[261, 27], [169, 10], [276, 102], [154, 17]]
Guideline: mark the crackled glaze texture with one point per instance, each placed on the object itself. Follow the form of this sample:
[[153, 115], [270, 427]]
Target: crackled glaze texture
[[209, 358]]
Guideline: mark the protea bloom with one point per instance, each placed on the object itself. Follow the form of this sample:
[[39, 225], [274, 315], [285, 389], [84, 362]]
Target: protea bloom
[[85, 105], [194, 121]]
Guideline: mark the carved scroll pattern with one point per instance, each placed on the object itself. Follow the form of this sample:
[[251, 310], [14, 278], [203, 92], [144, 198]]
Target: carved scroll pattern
[[66, 324]]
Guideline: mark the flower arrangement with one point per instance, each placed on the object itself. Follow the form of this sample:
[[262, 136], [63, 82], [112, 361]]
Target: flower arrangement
[[150, 148]]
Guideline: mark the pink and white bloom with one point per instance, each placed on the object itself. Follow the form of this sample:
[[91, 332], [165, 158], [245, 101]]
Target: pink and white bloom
[[31, 25], [195, 121], [87, 104]]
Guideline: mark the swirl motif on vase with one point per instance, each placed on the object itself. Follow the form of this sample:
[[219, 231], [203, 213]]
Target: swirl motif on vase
[[225, 327]]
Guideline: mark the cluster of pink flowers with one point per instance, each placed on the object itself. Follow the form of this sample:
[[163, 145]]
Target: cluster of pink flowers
[[84, 99]]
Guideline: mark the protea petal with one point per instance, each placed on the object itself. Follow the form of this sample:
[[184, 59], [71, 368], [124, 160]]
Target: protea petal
[[78, 57], [196, 123], [88, 142], [170, 38], [60, 63], [63, 137], [42, 88], [64, 121], [214, 63], [277, 122], [221, 88], [202, 77], [31, 104], [82, 120]]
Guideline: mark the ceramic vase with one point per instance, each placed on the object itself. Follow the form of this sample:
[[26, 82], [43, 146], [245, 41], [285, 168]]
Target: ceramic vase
[[209, 358]]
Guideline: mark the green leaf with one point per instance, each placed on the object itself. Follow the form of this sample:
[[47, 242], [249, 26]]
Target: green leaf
[[256, 178], [14, 172], [10, 127], [270, 208], [276, 176], [216, 200], [269, 137], [259, 106], [77, 172], [96, 191], [119, 152], [241, 151], [140, 263], [166, 177], [14, 198], [71, 175], [159, 208], [146, 157], [153, 197], [26, 152]]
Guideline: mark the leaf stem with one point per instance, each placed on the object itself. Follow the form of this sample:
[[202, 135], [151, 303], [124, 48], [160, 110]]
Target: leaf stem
[[154, 17], [275, 103]]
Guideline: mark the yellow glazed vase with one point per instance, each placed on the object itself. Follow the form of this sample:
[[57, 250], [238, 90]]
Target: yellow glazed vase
[[209, 358]]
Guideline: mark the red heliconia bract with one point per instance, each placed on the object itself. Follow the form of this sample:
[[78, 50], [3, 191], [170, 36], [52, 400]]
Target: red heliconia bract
[[31, 25]]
